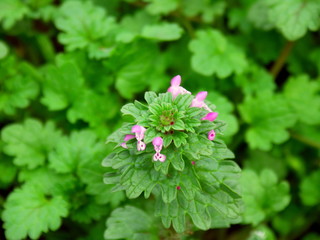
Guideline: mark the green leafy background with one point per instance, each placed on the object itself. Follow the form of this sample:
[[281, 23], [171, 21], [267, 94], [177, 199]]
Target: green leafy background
[[67, 67]]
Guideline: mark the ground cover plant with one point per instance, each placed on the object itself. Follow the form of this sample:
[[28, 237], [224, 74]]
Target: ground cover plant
[[159, 119]]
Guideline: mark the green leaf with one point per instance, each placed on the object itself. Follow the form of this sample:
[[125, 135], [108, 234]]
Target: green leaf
[[133, 67], [213, 53], [8, 171], [176, 160], [309, 189], [261, 232], [94, 108], [268, 116], [130, 223], [255, 80], [161, 6], [208, 11], [30, 212], [150, 97], [183, 102], [301, 93], [259, 160], [12, 11], [150, 134], [70, 152], [63, 86], [91, 33], [283, 223], [131, 109], [49, 181], [91, 173], [295, 17], [18, 88], [4, 50], [85, 209], [131, 26], [198, 146], [30, 142], [263, 195], [163, 32]]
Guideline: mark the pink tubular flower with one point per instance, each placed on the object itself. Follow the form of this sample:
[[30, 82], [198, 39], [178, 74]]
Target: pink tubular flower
[[211, 135], [139, 134], [211, 116], [126, 138], [175, 88], [158, 143], [198, 101]]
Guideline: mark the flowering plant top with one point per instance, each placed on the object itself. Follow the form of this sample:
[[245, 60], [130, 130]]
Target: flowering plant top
[[171, 148]]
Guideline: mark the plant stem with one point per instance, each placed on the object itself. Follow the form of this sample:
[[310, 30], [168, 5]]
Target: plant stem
[[305, 140], [277, 66]]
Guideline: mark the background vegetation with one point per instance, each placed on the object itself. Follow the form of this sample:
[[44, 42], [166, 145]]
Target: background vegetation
[[67, 66]]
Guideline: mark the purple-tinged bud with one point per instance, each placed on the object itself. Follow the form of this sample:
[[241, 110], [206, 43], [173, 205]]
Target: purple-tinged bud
[[211, 116], [175, 88], [139, 132], [211, 135], [201, 96], [178, 187], [176, 81], [193, 162], [198, 101], [128, 137]]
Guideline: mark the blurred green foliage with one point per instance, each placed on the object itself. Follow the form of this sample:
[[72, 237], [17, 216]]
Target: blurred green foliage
[[67, 67]]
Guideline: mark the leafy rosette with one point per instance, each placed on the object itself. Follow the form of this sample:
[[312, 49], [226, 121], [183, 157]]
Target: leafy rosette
[[173, 150]]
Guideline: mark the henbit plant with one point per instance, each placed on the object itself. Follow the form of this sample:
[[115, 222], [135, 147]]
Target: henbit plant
[[171, 148]]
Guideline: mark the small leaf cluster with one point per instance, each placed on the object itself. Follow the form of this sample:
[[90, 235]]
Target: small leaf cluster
[[198, 179]]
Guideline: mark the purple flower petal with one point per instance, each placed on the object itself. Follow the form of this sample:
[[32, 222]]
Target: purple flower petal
[[128, 137], [211, 135], [139, 131], [157, 141], [176, 81], [211, 116], [201, 96]]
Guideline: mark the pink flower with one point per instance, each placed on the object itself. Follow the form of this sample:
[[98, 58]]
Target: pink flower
[[158, 143], [175, 88], [211, 135], [139, 134], [159, 156], [211, 116], [141, 146], [126, 138], [198, 101]]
